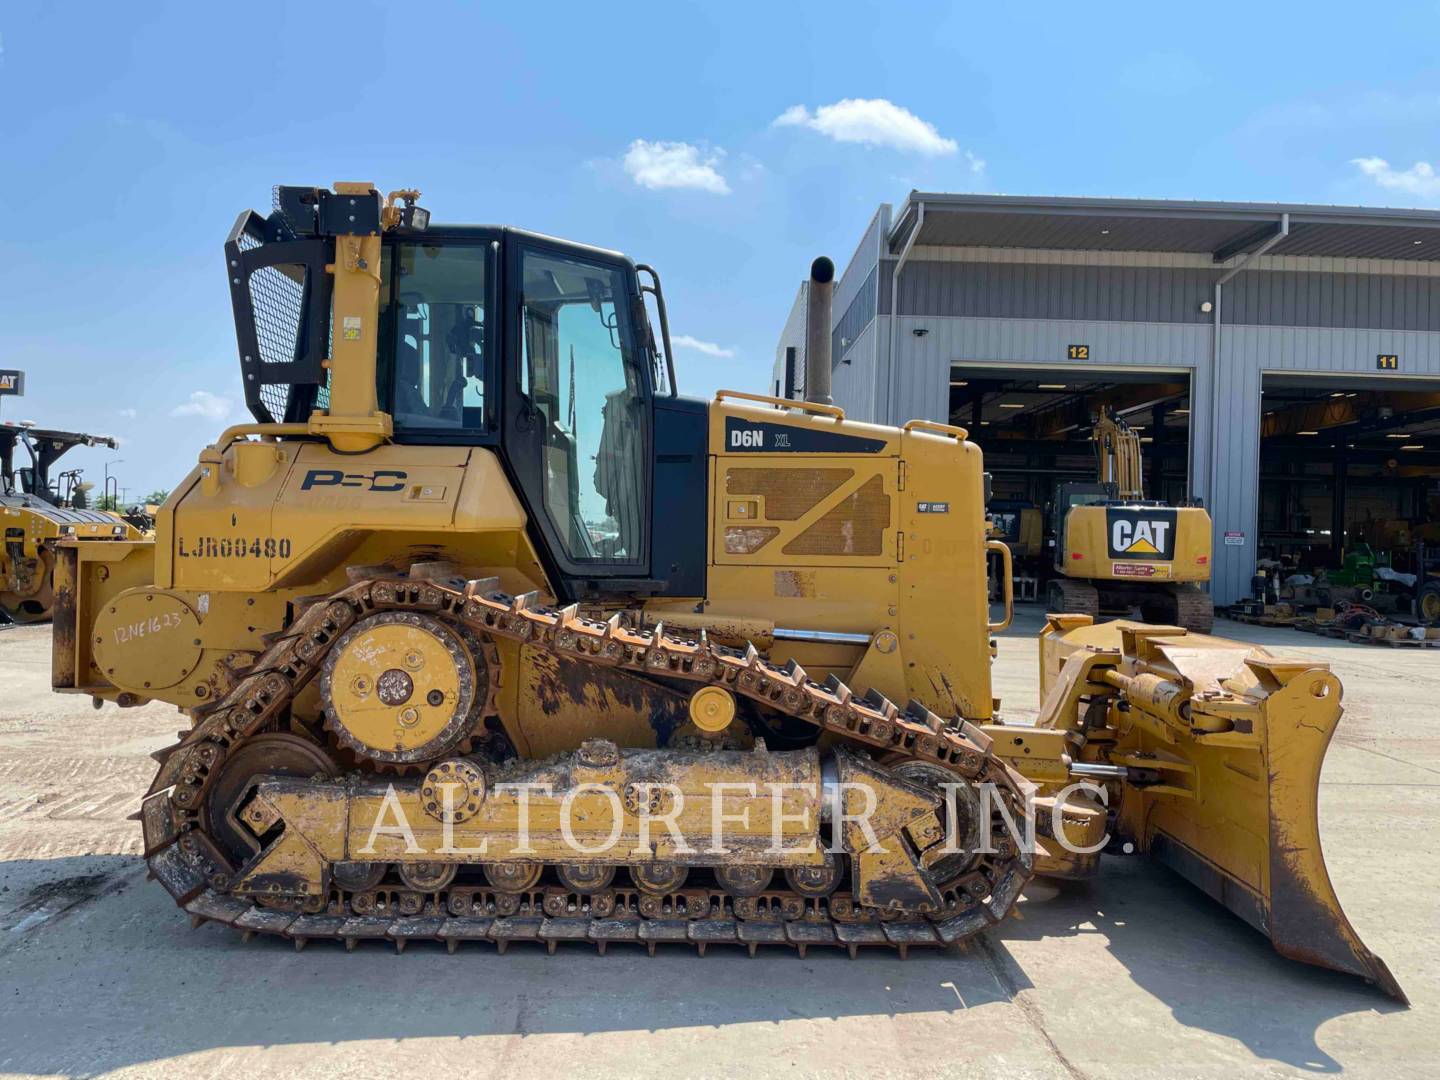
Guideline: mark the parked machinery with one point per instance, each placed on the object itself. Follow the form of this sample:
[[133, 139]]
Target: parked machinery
[[36, 511], [1020, 526], [1116, 550], [475, 544]]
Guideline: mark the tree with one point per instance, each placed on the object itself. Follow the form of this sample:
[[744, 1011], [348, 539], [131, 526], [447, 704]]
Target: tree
[[155, 498]]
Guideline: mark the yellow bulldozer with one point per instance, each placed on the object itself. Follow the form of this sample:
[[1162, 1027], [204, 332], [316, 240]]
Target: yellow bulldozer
[[1116, 551], [484, 633], [36, 511]]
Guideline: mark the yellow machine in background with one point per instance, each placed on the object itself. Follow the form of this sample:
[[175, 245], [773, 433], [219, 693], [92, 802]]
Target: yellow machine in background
[[1021, 528], [1115, 550], [476, 543], [35, 512]]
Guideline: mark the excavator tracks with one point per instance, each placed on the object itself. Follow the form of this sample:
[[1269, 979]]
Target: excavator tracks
[[1194, 609], [185, 858], [1073, 596]]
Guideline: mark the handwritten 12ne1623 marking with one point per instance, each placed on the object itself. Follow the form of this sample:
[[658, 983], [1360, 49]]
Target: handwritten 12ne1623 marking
[[146, 627], [234, 547]]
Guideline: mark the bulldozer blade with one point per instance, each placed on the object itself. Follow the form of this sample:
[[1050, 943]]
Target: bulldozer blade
[[1290, 897], [1221, 746]]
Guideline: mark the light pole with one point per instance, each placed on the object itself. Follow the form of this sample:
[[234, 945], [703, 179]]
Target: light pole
[[115, 461]]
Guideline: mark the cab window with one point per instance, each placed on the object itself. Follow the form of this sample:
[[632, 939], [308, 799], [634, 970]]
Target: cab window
[[581, 373], [435, 314]]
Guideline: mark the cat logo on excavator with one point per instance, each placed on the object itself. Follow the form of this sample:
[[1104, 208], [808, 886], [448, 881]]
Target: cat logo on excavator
[[1141, 535]]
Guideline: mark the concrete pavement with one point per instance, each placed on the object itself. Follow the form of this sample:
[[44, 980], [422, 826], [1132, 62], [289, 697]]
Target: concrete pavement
[[1134, 974]]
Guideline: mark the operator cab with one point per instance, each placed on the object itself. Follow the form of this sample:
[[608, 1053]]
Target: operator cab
[[30, 485], [537, 348]]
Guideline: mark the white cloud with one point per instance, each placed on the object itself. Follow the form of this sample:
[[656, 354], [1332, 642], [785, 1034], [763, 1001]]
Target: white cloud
[[129, 414], [977, 164], [204, 404], [709, 348], [873, 122], [657, 165], [1420, 179]]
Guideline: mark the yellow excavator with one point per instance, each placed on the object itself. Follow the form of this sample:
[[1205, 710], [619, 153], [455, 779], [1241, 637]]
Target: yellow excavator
[[485, 634], [36, 511], [1115, 550]]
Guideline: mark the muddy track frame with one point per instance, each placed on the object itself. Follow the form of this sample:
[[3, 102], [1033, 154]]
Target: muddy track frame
[[192, 868]]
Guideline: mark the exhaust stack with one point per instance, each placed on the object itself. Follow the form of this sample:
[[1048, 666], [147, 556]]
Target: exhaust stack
[[817, 331]]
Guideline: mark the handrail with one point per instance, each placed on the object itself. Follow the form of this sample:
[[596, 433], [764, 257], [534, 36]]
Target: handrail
[[936, 428], [235, 431], [655, 291], [784, 403], [1003, 550]]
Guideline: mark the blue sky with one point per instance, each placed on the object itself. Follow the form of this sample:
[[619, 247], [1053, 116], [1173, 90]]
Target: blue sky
[[132, 134]]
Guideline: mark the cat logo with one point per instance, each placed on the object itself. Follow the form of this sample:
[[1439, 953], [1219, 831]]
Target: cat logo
[[1141, 534]]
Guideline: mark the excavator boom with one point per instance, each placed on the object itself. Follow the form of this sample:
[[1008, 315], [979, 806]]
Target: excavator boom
[[1118, 456]]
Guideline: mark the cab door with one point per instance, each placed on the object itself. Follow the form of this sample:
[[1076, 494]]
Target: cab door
[[577, 412]]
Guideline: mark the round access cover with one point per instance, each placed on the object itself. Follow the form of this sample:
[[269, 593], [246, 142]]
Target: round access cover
[[146, 640]]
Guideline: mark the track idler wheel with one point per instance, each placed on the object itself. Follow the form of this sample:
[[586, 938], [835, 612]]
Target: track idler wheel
[[967, 815], [357, 876], [585, 879], [744, 880], [273, 754], [817, 880], [428, 876], [658, 879], [513, 877]]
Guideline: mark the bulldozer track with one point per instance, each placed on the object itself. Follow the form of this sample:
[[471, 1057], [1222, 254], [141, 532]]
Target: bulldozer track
[[188, 863]]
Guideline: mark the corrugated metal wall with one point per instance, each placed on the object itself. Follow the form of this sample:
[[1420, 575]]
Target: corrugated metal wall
[[855, 317], [853, 379], [792, 335], [1018, 307], [1168, 295]]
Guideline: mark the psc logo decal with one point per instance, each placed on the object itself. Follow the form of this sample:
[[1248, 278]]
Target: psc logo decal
[[1141, 534], [379, 480]]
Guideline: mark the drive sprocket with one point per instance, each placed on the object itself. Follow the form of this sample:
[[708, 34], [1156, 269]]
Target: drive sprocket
[[403, 688]]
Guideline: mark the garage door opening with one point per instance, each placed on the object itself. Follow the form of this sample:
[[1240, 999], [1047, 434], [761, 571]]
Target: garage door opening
[[1349, 507], [1035, 428]]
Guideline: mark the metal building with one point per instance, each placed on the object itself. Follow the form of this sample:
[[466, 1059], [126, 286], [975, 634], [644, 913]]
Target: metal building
[[1185, 315]]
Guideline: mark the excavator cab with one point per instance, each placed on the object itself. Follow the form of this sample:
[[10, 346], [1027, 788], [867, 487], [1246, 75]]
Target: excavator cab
[[1067, 497]]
